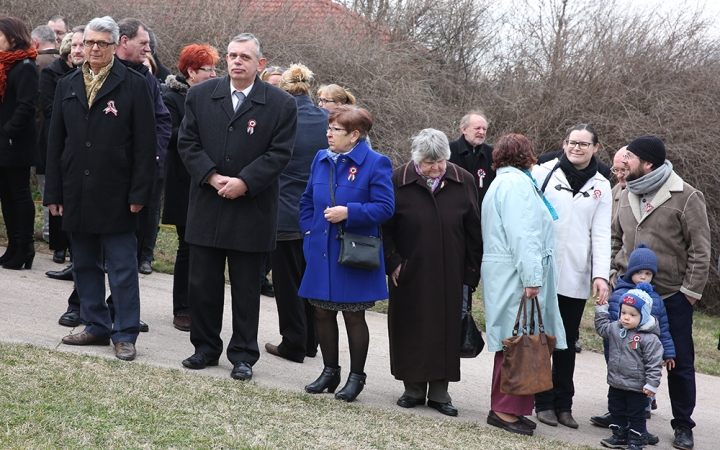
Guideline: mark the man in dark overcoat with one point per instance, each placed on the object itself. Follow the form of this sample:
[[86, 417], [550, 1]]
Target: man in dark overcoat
[[100, 163], [236, 139]]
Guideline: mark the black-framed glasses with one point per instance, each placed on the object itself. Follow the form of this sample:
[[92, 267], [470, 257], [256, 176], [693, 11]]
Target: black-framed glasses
[[101, 44], [582, 145], [585, 194], [322, 101]]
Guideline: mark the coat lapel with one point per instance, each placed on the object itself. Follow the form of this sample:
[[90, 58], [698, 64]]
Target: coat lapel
[[222, 91], [78, 87], [116, 75]]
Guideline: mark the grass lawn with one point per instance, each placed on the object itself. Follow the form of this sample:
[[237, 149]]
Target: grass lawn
[[52, 399]]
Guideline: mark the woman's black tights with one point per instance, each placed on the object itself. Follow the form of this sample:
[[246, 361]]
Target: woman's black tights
[[358, 338]]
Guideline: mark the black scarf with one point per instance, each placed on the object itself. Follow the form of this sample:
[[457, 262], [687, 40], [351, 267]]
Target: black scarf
[[577, 178]]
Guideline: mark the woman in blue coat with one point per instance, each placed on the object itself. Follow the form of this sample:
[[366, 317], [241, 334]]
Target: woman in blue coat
[[361, 181]]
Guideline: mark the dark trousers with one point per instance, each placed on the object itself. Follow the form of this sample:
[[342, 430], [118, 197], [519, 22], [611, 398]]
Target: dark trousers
[[181, 274], [207, 299], [560, 397], [58, 238], [627, 408], [295, 314], [17, 205], [146, 247], [681, 380], [120, 258]]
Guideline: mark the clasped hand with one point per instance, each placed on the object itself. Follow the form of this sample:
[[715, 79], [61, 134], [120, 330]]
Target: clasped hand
[[228, 187]]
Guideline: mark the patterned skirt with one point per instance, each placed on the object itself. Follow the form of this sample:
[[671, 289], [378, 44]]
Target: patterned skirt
[[333, 306]]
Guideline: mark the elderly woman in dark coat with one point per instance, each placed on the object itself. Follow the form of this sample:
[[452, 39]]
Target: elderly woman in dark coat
[[196, 64], [18, 140], [432, 247]]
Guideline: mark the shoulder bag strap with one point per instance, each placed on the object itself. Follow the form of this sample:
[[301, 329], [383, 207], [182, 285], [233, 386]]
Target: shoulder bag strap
[[332, 197], [547, 179]]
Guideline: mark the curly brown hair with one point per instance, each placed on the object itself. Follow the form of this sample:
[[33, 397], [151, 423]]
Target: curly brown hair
[[513, 150]]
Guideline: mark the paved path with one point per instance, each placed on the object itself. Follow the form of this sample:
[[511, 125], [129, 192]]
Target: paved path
[[31, 304]]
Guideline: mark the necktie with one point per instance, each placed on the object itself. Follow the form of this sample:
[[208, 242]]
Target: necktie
[[240, 97]]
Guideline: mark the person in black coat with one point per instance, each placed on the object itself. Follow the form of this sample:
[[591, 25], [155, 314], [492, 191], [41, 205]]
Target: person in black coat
[[99, 175], [18, 140], [296, 315], [196, 64], [236, 139]]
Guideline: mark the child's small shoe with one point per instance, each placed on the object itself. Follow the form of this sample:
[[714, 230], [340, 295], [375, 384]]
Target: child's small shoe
[[653, 405], [648, 415], [619, 439], [636, 441]]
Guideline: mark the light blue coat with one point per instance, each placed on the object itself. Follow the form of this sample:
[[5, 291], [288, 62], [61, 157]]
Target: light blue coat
[[517, 231]]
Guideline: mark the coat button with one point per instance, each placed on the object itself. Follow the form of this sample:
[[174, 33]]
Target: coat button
[[324, 255], [87, 144], [230, 129], [227, 159], [344, 160], [324, 231], [72, 93], [87, 172], [639, 228]]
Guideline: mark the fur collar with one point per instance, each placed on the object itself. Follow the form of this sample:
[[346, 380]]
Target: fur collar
[[177, 83]]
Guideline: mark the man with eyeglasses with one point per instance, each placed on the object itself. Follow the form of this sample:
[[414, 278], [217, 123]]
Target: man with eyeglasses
[[60, 26], [661, 210], [100, 163], [236, 139]]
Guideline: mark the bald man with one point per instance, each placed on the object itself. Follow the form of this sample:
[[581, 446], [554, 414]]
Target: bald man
[[619, 170]]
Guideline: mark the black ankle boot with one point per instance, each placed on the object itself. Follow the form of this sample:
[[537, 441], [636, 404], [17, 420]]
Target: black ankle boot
[[10, 251], [353, 387], [23, 257], [329, 379]]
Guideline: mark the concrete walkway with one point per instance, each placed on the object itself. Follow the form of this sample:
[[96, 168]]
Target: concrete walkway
[[32, 303]]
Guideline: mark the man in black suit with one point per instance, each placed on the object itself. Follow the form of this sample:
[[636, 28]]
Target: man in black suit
[[99, 176], [236, 139]]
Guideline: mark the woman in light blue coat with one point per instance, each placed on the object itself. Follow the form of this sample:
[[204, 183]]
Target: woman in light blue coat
[[517, 229]]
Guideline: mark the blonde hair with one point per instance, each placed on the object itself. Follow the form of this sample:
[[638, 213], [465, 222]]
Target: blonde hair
[[296, 80], [337, 94]]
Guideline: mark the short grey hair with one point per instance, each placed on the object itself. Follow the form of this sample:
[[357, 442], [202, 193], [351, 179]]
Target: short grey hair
[[244, 37], [104, 25], [44, 33], [466, 118], [430, 144]]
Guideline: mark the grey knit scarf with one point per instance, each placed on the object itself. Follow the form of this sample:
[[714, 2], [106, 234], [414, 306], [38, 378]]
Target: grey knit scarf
[[652, 181]]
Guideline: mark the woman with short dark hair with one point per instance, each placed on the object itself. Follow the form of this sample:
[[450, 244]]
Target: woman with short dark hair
[[517, 230], [361, 200], [18, 140]]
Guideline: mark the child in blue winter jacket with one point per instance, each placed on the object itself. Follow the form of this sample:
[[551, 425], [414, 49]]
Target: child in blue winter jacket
[[634, 365]]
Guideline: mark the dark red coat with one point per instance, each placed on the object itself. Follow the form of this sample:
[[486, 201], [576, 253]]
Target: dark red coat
[[437, 239]]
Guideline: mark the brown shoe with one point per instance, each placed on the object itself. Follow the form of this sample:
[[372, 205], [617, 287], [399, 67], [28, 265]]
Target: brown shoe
[[567, 419], [547, 417], [85, 338], [125, 351], [274, 350], [182, 321]]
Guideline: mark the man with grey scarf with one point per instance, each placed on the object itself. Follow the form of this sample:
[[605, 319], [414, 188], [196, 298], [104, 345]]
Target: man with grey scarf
[[661, 210]]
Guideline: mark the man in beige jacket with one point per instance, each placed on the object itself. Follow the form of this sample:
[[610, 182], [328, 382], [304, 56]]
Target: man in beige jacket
[[659, 209]]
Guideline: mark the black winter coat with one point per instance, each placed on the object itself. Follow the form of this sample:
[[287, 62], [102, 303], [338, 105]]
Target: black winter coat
[[177, 178], [101, 160], [253, 143], [478, 164], [18, 132], [49, 77]]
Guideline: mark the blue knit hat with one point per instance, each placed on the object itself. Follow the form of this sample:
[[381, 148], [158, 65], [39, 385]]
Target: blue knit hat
[[642, 258], [639, 298]]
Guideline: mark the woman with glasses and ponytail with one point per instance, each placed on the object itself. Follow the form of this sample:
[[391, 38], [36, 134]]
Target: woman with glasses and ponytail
[[582, 198]]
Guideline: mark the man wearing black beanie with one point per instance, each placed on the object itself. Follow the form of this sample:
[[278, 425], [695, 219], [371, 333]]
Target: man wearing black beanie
[[661, 210]]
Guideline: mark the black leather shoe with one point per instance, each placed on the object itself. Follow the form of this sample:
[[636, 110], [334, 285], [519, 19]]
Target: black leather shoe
[[445, 408], [267, 291], [527, 422], [567, 419], [70, 319], [59, 256], [65, 274], [145, 268], [683, 438], [409, 402], [602, 421], [144, 328], [651, 438], [275, 350], [329, 379], [353, 387], [199, 361], [242, 371], [513, 427]]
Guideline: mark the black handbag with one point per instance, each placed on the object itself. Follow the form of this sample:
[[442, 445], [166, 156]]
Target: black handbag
[[472, 341], [356, 250]]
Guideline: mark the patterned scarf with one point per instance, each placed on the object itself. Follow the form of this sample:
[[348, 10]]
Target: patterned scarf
[[7, 60], [432, 183], [93, 82], [553, 213]]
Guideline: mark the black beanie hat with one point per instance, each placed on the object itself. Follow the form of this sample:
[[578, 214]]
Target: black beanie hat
[[649, 148]]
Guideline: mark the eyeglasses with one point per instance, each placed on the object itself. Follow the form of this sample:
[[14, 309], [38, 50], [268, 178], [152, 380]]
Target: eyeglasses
[[335, 130], [582, 145], [100, 44], [322, 101], [277, 70], [617, 171], [629, 155], [207, 69]]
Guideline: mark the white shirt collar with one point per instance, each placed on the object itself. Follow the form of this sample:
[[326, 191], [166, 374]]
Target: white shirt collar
[[245, 91]]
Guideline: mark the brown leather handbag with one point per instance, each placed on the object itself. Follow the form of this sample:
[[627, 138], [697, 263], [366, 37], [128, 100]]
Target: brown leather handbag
[[526, 367]]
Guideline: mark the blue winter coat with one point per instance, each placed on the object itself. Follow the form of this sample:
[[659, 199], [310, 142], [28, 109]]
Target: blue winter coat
[[658, 310], [517, 232], [362, 182]]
